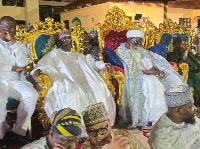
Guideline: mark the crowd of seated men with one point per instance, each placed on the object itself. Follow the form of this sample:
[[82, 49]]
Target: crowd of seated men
[[80, 105]]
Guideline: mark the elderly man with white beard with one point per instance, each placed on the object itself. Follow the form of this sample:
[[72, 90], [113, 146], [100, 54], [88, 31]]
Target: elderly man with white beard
[[147, 75]]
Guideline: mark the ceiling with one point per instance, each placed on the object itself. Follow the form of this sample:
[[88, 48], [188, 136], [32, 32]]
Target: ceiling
[[193, 4], [187, 4]]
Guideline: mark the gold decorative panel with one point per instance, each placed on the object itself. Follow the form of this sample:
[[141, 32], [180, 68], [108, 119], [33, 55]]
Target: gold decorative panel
[[117, 20], [173, 27], [77, 35], [48, 27]]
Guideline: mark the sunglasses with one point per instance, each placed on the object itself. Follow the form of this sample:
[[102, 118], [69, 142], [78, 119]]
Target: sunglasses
[[66, 39], [101, 131]]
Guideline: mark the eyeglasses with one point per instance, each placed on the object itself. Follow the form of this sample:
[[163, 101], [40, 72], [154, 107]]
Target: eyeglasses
[[66, 39], [101, 131]]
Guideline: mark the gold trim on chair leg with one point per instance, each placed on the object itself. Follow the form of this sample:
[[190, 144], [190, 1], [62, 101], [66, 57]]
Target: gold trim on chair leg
[[106, 78], [119, 76], [45, 84], [185, 69]]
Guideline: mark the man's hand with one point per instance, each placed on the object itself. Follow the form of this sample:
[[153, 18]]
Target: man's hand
[[185, 53], [36, 74], [118, 142], [18, 69], [110, 68], [152, 71]]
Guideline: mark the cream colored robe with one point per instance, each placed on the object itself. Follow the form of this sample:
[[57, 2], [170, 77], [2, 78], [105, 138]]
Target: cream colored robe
[[76, 83]]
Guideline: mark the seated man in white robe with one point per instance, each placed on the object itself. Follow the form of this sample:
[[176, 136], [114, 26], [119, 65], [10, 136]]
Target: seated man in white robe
[[179, 128], [147, 75], [75, 81], [13, 59], [64, 134]]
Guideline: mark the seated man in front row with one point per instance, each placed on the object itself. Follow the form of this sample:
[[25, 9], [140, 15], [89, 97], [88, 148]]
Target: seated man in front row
[[64, 134], [101, 135], [13, 59], [147, 76], [179, 128], [76, 84]]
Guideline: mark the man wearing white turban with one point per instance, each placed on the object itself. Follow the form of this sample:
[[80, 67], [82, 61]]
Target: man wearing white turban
[[147, 75]]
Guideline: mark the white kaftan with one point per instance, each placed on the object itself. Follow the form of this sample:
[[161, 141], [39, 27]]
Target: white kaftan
[[76, 84], [166, 134], [143, 97], [13, 85]]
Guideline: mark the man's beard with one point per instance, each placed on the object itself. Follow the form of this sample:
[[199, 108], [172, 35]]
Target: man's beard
[[190, 120]]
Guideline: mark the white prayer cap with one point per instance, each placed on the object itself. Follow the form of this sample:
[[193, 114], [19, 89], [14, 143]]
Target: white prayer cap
[[135, 34], [178, 96]]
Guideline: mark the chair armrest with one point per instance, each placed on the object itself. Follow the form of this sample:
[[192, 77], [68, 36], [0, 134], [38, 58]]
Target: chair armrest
[[119, 76], [107, 77], [45, 83], [185, 70], [182, 69]]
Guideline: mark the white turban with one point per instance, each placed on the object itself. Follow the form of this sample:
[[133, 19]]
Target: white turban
[[135, 34]]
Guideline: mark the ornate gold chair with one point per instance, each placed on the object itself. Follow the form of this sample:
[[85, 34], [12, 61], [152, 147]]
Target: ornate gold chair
[[111, 34], [78, 35], [36, 41], [39, 42], [174, 28]]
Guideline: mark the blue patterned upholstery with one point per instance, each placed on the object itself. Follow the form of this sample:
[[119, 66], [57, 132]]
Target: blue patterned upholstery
[[160, 49], [112, 58], [40, 43]]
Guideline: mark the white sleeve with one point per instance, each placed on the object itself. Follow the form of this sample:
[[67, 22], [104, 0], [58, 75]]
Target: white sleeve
[[94, 64], [45, 66], [21, 55], [5, 67]]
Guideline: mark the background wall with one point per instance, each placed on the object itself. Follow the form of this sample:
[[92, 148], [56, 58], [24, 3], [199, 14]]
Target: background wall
[[89, 16], [154, 13], [32, 11], [16, 12], [195, 17], [29, 13]]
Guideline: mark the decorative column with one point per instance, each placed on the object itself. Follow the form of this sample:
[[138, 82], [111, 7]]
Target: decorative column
[[165, 11], [32, 11]]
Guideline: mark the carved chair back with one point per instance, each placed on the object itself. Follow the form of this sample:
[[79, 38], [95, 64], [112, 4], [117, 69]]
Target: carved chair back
[[174, 28], [112, 33]]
